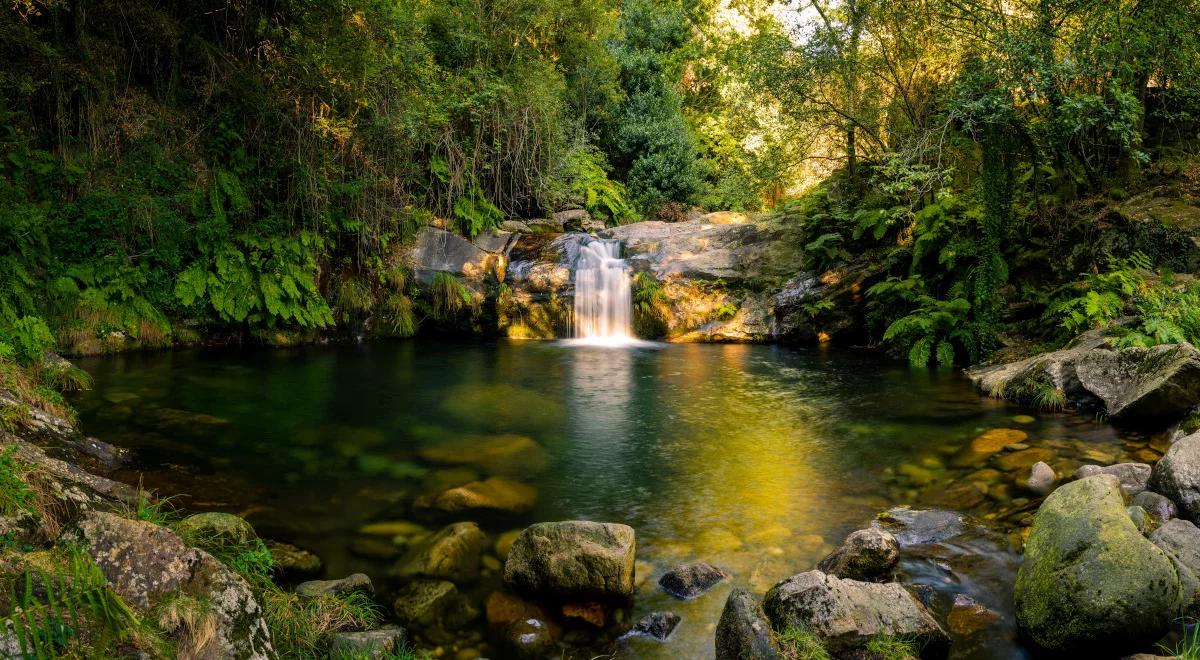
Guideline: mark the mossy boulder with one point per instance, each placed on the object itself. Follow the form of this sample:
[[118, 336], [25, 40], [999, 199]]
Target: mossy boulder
[[216, 529], [1090, 582], [867, 554], [743, 632], [451, 554], [573, 559], [1177, 475]]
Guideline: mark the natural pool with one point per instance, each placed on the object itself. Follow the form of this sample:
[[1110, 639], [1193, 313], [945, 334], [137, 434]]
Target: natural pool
[[758, 459]]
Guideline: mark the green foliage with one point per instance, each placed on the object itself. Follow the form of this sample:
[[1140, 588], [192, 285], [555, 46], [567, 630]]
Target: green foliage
[[893, 648], [587, 177], [16, 495], [800, 644], [301, 626], [475, 213], [450, 297], [932, 330], [76, 601], [1188, 646]]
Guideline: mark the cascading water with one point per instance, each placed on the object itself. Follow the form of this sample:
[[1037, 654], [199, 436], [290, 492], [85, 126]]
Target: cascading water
[[603, 302]]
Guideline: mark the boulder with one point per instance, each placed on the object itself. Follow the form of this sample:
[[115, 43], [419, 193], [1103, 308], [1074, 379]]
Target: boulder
[[1162, 508], [1041, 478], [146, 564], [346, 585], [439, 251], [578, 220], [377, 644], [495, 496], [573, 559], [846, 614], [434, 607], [867, 554], [1090, 581], [291, 561], [1156, 385], [452, 553], [1180, 539], [1133, 476], [1177, 475], [743, 632], [216, 529], [912, 526], [691, 580], [656, 625]]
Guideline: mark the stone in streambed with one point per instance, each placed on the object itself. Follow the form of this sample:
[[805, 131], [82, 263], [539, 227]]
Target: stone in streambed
[[1041, 478], [691, 580], [216, 528], [504, 542], [451, 554], [743, 632], [1133, 476], [574, 558], [346, 585], [503, 608], [1180, 539], [1162, 508], [1140, 518], [375, 644], [994, 440], [529, 639], [291, 561], [845, 615], [491, 496], [432, 605], [1089, 580], [867, 554], [508, 454], [967, 616], [1024, 459], [1177, 475], [656, 625]]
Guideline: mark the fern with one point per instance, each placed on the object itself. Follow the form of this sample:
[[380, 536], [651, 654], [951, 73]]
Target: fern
[[476, 213], [52, 607]]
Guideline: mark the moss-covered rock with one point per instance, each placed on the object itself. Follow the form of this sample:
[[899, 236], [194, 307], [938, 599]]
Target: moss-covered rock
[[1089, 580], [574, 558], [216, 528]]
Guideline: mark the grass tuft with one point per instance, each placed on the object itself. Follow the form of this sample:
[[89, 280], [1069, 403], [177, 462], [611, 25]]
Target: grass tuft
[[801, 644]]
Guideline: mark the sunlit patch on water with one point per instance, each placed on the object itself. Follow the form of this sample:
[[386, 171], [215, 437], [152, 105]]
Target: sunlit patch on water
[[757, 459]]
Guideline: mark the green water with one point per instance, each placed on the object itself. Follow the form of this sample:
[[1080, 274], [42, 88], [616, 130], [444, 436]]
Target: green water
[[758, 459]]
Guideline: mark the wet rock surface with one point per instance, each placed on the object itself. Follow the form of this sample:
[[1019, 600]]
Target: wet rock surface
[[1177, 475], [349, 584], [1132, 476], [743, 632], [867, 554], [573, 558], [453, 553], [656, 625], [691, 580], [846, 614]]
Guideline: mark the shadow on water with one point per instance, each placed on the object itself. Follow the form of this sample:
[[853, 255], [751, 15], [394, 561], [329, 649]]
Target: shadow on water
[[758, 459]]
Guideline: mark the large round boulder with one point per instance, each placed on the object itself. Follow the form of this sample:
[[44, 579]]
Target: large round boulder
[[575, 558], [1177, 475], [845, 615], [1090, 582]]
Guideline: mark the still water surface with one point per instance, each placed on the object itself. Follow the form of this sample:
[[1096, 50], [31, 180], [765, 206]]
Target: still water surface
[[758, 459]]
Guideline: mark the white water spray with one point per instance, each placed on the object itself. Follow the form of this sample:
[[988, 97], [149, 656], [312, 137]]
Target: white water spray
[[603, 301]]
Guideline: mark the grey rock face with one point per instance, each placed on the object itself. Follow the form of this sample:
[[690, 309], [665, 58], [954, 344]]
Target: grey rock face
[[691, 580], [1162, 508], [574, 558], [348, 584], [846, 614], [1177, 475], [1133, 476], [1180, 539], [743, 632], [1041, 478], [866, 554]]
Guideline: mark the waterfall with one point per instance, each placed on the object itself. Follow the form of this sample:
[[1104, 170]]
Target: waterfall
[[603, 302]]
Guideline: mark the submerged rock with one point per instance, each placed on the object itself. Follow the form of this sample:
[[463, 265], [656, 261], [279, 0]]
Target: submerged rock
[[147, 564], [845, 615], [507, 453], [968, 617], [691, 580], [656, 625], [491, 496], [1089, 580], [866, 554], [743, 632], [503, 608], [1133, 476], [346, 585], [573, 559], [451, 554], [529, 639], [1177, 475], [911, 526]]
